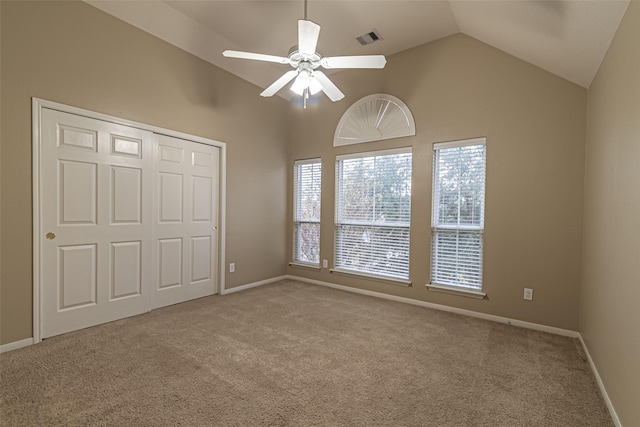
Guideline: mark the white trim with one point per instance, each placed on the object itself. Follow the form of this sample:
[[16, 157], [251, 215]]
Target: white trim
[[43, 103], [307, 161], [491, 317], [472, 228], [603, 391], [379, 278], [365, 154], [222, 230], [37, 105], [36, 118], [439, 229], [460, 291], [305, 174], [253, 285], [396, 275], [460, 143], [534, 326], [16, 345], [303, 265]]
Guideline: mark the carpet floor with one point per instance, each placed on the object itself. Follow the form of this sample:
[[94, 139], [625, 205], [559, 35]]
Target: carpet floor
[[294, 354]]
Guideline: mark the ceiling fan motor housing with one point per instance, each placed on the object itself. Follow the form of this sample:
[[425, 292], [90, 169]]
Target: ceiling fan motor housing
[[297, 58]]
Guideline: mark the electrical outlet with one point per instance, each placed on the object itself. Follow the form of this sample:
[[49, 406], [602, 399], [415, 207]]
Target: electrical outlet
[[528, 294], [232, 267], [325, 263]]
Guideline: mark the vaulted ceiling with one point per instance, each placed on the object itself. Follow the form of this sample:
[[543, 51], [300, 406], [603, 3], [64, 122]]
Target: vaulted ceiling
[[567, 38]]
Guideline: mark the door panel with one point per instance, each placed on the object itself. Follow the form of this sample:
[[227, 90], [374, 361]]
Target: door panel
[[128, 147], [126, 195], [187, 221], [78, 138], [169, 263], [200, 258], [171, 198], [202, 204], [126, 269], [96, 210], [78, 192], [77, 286]]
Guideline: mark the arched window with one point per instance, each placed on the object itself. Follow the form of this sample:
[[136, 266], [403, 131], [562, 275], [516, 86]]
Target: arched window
[[374, 118]]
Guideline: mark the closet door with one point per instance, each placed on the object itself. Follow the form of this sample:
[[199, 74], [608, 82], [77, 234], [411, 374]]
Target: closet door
[[186, 220], [96, 193]]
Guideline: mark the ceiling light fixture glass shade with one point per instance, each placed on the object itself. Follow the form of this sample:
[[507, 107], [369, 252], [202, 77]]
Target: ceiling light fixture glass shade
[[302, 82], [305, 80], [314, 86]]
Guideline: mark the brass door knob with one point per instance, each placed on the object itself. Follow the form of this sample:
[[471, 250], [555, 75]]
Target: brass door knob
[[51, 235]]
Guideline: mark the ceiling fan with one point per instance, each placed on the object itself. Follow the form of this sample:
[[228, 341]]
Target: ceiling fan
[[305, 62]]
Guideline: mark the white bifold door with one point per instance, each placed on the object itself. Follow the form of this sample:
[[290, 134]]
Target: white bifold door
[[186, 218], [128, 221]]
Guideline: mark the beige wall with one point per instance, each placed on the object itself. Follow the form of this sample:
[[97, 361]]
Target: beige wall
[[72, 53], [610, 293], [458, 88]]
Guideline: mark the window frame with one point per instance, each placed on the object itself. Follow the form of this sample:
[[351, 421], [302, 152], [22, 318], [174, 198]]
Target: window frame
[[298, 222], [475, 289], [340, 222]]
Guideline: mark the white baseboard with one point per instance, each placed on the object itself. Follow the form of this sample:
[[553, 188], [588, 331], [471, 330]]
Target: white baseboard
[[252, 285], [529, 325], [29, 341], [491, 317], [603, 391], [16, 345], [470, 313]]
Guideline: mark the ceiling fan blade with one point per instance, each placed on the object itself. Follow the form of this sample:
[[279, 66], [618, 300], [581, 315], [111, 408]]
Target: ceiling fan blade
[[328, 87], [308, 33], [362, 61], [280, 83], [255, 56]]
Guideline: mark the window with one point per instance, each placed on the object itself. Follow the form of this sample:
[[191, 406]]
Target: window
[[373, 213], [307, 175], [458, 213]]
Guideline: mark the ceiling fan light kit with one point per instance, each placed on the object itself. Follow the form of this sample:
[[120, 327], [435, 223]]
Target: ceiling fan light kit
[[306, 61]]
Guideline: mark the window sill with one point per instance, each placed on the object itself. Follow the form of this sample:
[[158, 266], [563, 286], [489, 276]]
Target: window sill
[[456, 291], [383, 279], [307, 266]]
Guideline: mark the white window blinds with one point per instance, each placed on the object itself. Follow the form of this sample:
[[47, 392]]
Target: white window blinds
[[373, 213], [459, 170], [307, 184]]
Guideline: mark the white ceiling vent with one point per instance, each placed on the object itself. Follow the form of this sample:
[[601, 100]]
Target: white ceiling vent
[[370, 37], [374, 118]]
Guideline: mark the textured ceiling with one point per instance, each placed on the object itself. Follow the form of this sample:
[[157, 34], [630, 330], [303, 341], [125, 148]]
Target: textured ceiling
[[567, 38]]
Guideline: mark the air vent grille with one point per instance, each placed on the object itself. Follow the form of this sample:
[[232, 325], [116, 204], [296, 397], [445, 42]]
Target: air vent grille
[[368, 38]]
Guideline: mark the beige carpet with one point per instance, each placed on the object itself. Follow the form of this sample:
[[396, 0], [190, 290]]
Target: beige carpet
[[293, 354]]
